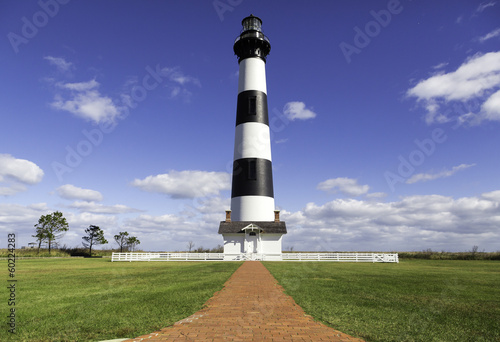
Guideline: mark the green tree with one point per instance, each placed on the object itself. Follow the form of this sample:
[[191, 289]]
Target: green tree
[[95, 236], [50, 228], [40, 236], [132, 242], [121, 240]]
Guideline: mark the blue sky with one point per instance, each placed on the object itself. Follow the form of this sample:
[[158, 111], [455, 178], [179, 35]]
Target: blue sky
[[384, 120]]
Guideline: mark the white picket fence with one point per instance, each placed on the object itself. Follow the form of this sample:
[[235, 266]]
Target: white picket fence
[[337, 257]]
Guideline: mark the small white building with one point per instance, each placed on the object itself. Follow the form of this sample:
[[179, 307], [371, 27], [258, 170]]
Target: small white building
[[252, 238]]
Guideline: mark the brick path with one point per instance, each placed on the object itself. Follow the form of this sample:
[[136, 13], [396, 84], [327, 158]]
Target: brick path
[[250, 307]]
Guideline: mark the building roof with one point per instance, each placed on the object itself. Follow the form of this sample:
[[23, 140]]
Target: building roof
[[267, 227]]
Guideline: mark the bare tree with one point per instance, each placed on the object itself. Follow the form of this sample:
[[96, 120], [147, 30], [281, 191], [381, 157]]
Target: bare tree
[[190, 246]]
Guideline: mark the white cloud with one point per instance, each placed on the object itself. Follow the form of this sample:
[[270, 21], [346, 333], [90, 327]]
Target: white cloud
[[60, 63], [17, 173], [440, 65], [98, 208], [423, 177], [78, 222], [297, 111], [376, 195], [12, 189], [179, 83], [80, 86], [492, 34], [412, 223], [492, 196], [176, 75], [85, 101], [69, 191], [151, 223], [485, 5], [186, 184], [475, 80], [21, 219], [490, 109], [347, 186]]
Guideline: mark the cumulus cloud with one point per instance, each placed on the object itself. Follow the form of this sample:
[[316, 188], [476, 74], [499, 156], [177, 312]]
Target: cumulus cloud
[[491, 107], [98, 208], [69, 191], [297, 111], [59, 63], [186, 184], [84, 100], [409, 223], [424, 177], [21, 216], [412, 223], [16, 173], [347, 186], [492, 196], [20, 219], [476, 80], [85, 219]]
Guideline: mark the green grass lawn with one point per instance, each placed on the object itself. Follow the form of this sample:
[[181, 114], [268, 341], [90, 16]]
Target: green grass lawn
[[417, 300], [95, 299]]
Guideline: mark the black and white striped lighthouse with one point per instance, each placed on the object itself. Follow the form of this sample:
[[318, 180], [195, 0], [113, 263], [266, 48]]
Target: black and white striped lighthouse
[[252, 195], [252, 225]]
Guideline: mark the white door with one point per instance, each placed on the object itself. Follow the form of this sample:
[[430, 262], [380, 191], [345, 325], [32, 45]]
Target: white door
[[251, 243]]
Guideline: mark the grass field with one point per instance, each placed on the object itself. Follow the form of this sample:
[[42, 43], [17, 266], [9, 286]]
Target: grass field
[[417, 300], [95, 299]]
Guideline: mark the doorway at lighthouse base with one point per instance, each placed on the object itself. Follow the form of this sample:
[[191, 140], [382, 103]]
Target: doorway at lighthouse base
[[252, 239]]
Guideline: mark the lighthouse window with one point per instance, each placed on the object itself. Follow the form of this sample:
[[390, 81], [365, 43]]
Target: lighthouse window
[[252, 170], [252, 105]]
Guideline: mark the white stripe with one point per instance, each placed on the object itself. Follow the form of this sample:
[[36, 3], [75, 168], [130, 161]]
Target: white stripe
[[252, 140], [252, 75], [252, 208]]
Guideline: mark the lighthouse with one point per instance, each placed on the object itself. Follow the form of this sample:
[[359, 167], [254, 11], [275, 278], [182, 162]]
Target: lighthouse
[[252, 226]]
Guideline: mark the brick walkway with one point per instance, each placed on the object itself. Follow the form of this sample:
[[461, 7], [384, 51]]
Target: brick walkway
[[250, 307]]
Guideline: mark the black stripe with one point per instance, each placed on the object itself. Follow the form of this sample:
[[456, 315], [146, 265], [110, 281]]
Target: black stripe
[[252, 177], [252, 107]]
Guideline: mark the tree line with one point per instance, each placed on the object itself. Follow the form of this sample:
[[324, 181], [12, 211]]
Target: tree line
[[51, 227]]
